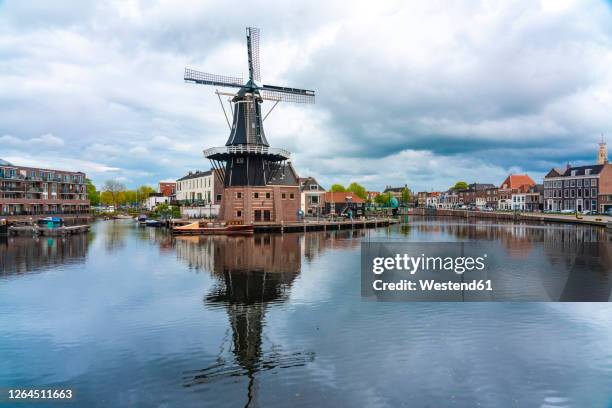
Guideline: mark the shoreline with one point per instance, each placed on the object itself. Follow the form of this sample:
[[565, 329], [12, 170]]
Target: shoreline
[[601, 221]]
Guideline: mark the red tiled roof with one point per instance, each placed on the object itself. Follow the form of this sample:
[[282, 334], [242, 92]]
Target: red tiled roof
[[515, 181], [341, 197]]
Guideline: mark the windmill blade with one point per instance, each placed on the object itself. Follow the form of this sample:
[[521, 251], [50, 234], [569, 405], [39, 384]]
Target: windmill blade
[[279, 93], [203, 78], [253, 51]]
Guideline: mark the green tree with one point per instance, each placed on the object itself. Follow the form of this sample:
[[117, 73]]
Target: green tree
[[358, 189], [406, 195], [92, 193], [114, 188], [337, 188], [460, 185], [383, 199]]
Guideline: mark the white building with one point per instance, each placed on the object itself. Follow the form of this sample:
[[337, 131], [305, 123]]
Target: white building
[[154, 200], [200, 187], [312, 194]]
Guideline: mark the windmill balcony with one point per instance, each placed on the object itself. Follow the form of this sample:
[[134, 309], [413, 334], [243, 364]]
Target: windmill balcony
[[247, 149]]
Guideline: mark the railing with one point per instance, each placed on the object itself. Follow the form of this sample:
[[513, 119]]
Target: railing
[[247, 148]]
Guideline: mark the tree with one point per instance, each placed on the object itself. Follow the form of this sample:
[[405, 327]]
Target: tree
[[383, 199], [92, 193], [358, 189], [114, 189], [460, 185], [405, 195], [337, 188]]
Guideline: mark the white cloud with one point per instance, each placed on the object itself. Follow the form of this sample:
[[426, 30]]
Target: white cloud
[[407, 92]]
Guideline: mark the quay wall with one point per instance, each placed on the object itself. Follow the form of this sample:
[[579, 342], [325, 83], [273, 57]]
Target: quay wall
[[510, 216]]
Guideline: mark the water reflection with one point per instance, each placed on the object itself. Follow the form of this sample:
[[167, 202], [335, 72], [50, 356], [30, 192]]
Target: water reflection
[[568, 262], [251, 273], [26, 254]]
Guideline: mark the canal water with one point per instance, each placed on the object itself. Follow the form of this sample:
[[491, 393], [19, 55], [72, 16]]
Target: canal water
[[130, 316]]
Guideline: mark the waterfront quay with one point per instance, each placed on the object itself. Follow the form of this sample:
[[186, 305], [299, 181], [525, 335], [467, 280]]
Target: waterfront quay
[[311, 225], [598, 220]]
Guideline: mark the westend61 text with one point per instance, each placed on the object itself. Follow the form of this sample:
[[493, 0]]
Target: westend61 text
[[432, 285]]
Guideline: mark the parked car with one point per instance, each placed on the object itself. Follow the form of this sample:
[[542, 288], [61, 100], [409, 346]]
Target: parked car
[[567, 211]]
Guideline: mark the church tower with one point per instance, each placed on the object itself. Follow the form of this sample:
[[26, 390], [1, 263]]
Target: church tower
[[602, 156]]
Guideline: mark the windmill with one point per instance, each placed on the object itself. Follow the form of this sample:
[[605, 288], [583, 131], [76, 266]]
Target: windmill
[[247, 160]]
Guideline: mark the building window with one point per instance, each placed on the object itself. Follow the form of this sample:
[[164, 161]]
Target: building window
[[239, 194], [314, 187], [218, 197], [586, 192], [284, 196], [256, 195], [593, 192], [267, 195], [573, 172], [239, 160], [566, 193], [587, 172], [579, 183], [572, 183], [594, 205], [593, 182], [572, 193], [238, 214], [291, 196]]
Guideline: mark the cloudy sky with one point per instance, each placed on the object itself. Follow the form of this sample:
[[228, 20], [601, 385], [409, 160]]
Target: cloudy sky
[[417, 93]]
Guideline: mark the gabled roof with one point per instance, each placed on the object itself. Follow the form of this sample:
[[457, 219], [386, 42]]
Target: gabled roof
[[581, 171], [283, 175], [306, 182], [5, 163], [342, 196], [195, 174], [390, 189], [515, 181]]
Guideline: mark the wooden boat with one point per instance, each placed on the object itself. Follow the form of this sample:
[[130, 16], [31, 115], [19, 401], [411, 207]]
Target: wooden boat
[[214, 228]]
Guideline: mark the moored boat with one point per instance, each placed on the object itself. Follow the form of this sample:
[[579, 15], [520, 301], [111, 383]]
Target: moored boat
[[153, 223], [51, 222], [214, 228]]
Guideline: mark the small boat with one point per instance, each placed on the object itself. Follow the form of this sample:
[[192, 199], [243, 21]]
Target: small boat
[[153, 223], [52, 222], [214, 228], [142, 219]]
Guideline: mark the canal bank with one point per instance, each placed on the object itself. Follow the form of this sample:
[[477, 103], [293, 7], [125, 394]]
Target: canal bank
[[601, 221]]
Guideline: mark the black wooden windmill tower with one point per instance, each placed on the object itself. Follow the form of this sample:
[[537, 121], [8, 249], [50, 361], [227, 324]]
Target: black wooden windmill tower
[[247, 160]]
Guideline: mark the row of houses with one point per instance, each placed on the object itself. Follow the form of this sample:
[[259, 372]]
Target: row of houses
[[572, 188], [34, 190]]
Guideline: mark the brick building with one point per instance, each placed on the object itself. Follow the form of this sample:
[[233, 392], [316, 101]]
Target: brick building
[[167, 188], [579, 188], [32, 191], [277, 201]]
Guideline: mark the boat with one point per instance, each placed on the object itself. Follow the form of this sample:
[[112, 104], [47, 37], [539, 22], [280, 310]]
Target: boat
[[51, 222], [142, 219], [153, 223], [214, 228]]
